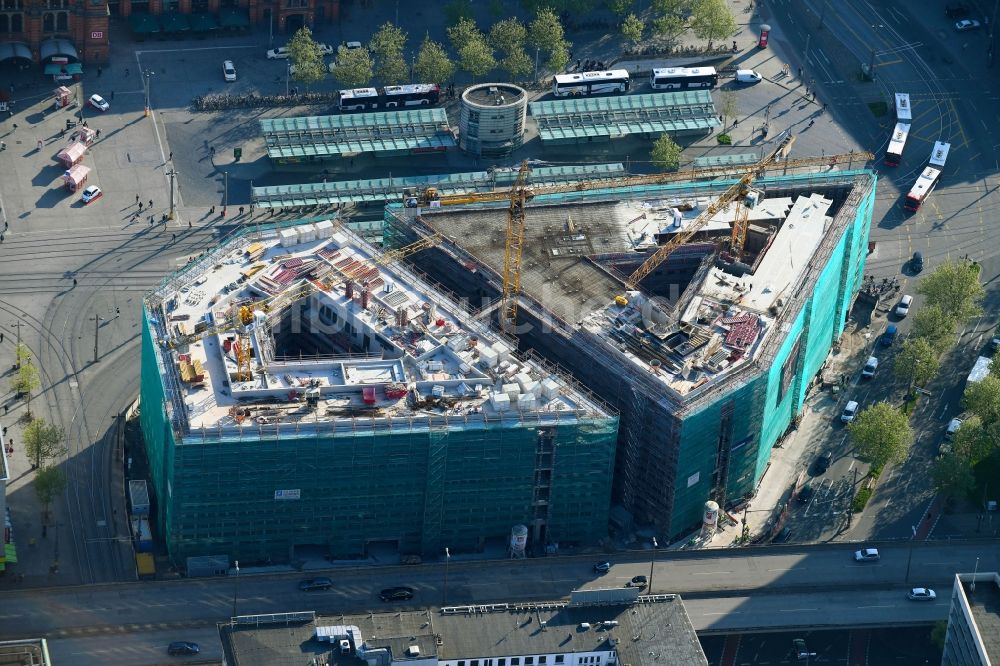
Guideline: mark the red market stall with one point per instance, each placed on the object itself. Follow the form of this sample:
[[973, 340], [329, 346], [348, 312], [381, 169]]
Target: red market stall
[[76, 177], [63, 96], [71, 154], [84, 135]]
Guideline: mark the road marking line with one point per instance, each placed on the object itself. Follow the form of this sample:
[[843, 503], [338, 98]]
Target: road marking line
[[800, 610]]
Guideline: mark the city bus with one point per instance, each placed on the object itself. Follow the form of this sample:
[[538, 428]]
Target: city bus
[[903, 113], [591, 83], [940, 153], [894, 154], [921, 189], [682, 78], [390, 97]]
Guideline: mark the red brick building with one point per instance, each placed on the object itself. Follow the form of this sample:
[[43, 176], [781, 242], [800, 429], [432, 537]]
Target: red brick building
[[53, 31]]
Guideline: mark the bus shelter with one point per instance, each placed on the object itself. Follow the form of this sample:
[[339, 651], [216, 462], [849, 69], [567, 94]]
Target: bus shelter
[[312, 138], [76, 177], [589, 119], [71, 154]]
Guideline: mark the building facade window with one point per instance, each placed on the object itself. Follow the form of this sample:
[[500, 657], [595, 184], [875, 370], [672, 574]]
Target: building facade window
[[560, 658]]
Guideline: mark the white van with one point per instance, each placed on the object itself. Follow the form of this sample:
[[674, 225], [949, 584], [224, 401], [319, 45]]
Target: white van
[[850, 411], [747, 76]]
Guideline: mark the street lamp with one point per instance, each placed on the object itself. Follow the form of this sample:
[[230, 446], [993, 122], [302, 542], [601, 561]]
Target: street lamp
[[652, 558], [146, 76], [236, 586], [288, 74], [447, 560]]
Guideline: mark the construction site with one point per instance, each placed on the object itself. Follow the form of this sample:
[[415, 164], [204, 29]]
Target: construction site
[[304, 395], [699, 304]]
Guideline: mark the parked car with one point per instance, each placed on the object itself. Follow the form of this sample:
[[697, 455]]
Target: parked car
[[228, 70], [967, 24], [889, 336], [917, 262], [353, 45], [602, 567], [903, 308], [398, 593], [99, 102], [310, 584], [637, 581], [91, 194], [823, 462], [850, 411], [326, 49], [279, 53], [183, 648], [871, 365], [953, 427], [921, 594], [747, 76], [866, 555]]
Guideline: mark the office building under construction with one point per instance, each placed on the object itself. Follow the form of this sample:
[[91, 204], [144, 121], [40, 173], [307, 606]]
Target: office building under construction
[[708, 357], [304, 395]]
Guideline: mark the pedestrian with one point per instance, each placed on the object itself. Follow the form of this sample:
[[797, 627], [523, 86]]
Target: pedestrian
[[129, 156], [5, 431], [126, 72], [112, 95], [211, 211], [800, 72], [99, 70], [151, 204], [189, 224], [137, 198], [74, 283], [241, 210], [173, 236], [140, 206], [15, 128], [170, 158], [150, 220], [212, 151], [1, 340], [98, 134]]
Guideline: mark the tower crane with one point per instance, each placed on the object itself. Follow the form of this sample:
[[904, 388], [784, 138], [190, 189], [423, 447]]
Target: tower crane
[[737, 192], [513, 248]]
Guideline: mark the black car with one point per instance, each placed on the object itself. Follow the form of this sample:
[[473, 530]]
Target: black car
[[602, 567], [637, 581], [396, 594], [310, 584], [806, 493], [823, 462], [182, 648], [917, 262]]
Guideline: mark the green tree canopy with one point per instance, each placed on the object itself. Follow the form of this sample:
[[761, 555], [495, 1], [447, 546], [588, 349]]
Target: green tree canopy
[[881, 434], [712, 20], [22, 354], [619, 7], [508, 35], [463, 32], [388, 45], [433, 63], [632, 29], [476, 58], [546, 34], [670, 17], [935, 325], [43, 441], [916, 362], [954, 287], [982, 398], [49, 483], [974, 442], [26, 381], [353, 68], [516, 64], [456, 10], [666, 154], [952, 475], [306, 57]]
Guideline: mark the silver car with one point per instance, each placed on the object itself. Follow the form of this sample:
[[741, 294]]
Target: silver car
[[921, 594]]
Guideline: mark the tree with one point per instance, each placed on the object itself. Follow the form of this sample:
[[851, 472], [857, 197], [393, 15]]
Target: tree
[[546, 34], [306, 57], [938, 633], [353, 67], [881, 434], [476, 58], [508, 35], [619, 7], [666, 154], [934, 325], [982, 398], [729, 105], [632, 28], [456, 10], [388, 44], [433, 63], [670, 17], [954, 287], [712, 20], [973, 441], [26, 380], [43, 442], [916, 362], [463, 32], [952, 475], [49, 482], [668, 27], [22, 354]]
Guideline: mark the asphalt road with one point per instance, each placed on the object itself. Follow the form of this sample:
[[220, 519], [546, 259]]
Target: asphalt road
[[739, 580]]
